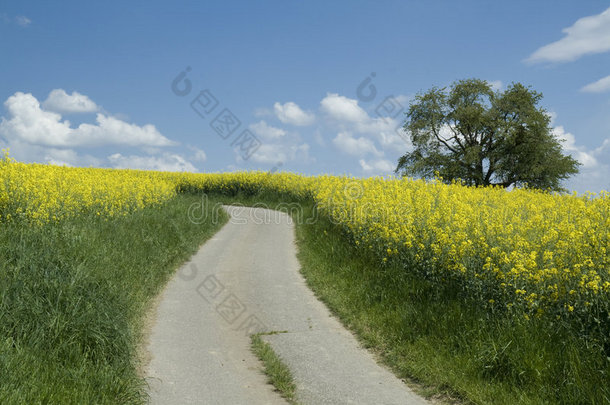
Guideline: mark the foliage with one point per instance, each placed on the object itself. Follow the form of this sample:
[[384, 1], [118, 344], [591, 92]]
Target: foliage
[[484, 137], [75, 237], [532, 252], [449, 345], [76, 280]]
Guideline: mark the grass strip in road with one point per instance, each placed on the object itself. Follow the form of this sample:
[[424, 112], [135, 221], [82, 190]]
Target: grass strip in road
[[74, 294], [278, 373]]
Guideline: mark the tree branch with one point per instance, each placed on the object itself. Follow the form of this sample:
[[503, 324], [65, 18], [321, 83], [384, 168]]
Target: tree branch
[[456, 137], [443, 141]]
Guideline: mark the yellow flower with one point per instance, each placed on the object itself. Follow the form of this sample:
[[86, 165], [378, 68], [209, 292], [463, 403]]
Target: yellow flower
[[547, 248]]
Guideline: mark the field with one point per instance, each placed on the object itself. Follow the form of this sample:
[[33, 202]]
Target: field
[[512, 286]]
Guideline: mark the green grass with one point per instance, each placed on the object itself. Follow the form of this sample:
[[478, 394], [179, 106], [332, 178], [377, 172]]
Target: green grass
[[445, 344], [73, 297], [277, 372]]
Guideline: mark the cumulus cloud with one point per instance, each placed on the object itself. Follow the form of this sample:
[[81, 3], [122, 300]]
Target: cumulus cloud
[[26, 152], [588, 35], [61, 102], [278, 145], [390, 140], [594, 172], [28, 122], [593, 177], [600, 86], [568, 143], [386, 131], [36, 133], [345, 113], [355, 131], [198, 154], [110, 130], [291, 113], [167, 162], [376, 167], [341, 108], [61, 157], [270, 154], [345, 142], [274, 154], [266, 131]]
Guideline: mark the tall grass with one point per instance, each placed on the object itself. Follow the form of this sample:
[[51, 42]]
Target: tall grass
[[73, 295], [443, 341], [74, 289]]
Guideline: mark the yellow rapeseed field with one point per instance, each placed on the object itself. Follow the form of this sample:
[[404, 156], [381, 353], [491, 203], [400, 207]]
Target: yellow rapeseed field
[[39, 193], [538, 251], [533, 252]]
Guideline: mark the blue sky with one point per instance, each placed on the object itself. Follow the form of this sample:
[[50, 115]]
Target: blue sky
[[90, 84]]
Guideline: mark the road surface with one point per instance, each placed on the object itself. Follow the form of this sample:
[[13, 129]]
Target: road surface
[[246, 280]]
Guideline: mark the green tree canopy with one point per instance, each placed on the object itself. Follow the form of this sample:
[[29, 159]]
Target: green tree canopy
[[484, 137]]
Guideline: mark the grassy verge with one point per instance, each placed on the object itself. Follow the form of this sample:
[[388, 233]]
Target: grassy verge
[[445, 343], [73, 296], [277, 372]]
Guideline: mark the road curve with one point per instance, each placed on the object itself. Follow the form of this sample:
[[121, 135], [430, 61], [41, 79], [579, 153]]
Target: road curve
[[246, 280]]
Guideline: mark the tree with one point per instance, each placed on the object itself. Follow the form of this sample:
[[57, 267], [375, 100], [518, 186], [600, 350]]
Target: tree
[[484, 137]]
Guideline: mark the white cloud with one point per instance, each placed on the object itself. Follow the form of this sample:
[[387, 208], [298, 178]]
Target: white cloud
[[345, 142], [110, 130], [377, 167], [361, 134], [29, 123], [341, 108], [403, 100], [496, 85], [345, 113], [291, 113], [278, 154], [266, 131], [593, 178], [23, 20], [168, 162], [35, 134], [588, 35], [199, 155], [568, 143], [26, 152], [600, 86], [61, 102], [392, 141], [594, 172], [270, 154], [61, 157], [278, 146], [385, 131]]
